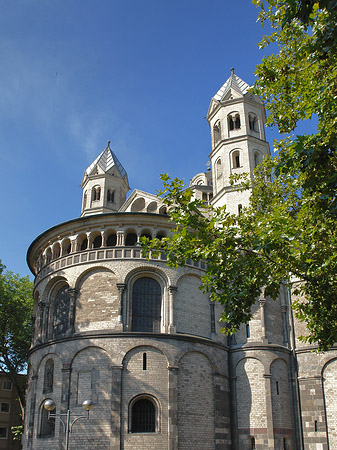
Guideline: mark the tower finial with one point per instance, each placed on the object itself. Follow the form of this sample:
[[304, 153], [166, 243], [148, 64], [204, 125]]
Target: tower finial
[[108, 144], [232, 70]]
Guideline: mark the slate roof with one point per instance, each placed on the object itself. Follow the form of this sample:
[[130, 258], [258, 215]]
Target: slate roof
[[234, 82], [105, 160]]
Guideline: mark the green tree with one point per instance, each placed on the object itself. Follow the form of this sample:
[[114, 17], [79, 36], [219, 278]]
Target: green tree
[[287, 234], [16, 308]]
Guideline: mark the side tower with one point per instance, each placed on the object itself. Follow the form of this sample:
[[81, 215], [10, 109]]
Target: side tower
[[105, 184], [236, 118]]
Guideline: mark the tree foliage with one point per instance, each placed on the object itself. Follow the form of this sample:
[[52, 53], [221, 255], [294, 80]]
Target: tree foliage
[[287, 234], [16, 308]]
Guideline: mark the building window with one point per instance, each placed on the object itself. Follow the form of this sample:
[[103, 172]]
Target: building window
[[111, 196], [247, 331], [146, 305], [236, 159], [48, 381], [3, 432], [47, 425], [4, 407], [84, 244], [144, 361], [239, 209], [219, 168], [7, 385], [216, 132], [61, 312], [234, 122], [96, 193], [143, 416], [253, 122]]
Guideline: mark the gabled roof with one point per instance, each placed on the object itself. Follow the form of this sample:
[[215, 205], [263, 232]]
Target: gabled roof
[[106, 160], [233, 82]]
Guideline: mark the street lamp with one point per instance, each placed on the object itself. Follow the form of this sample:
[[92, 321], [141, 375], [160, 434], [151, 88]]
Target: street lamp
[[50, 405]]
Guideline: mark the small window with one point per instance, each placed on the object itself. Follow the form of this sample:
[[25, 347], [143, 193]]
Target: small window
[[216, 132], [7, 385], [236, 159], [3, 432], [277, 388], [4, 407], [253, 122], [143, 416], [234, 122], [284, 444], [316, 425], [247, 331], [219, 168], [144, 361], [111, 196], [96, 193]]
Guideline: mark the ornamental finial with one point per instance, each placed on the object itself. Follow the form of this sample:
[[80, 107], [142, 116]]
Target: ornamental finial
[[232, 70]]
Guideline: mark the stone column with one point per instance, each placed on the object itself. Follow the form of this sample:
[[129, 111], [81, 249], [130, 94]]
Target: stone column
[[116, 395], [104, 236], [173, 408], [120, 238], [172, 290], [72, 310], [269, 412], [120, 287]]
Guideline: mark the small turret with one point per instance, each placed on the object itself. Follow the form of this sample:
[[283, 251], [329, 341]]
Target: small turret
[[105, 184]]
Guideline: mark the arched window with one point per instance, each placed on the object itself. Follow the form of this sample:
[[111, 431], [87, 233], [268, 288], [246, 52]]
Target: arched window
[[143, 416], [48, 256], [47, 426], [146, 305], [48, 380], [56, 251], [111, 240], [218, 168], [252, 443], [84, 244], [146, 234], [234, 122], [236, 159], [217, 132], [96, 193], [131, 239], [253, 122], [61, 312], [66, 247], [163, 210], [111, 196], [257, 158]]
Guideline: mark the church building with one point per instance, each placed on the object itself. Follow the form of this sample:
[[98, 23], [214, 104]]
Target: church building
[[141, 340]]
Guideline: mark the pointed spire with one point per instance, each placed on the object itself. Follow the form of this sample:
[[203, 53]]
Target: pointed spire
[[106, 160], [234, 82]]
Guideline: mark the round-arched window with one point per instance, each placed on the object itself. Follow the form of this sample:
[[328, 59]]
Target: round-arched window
[[143, 416], [146, 305]]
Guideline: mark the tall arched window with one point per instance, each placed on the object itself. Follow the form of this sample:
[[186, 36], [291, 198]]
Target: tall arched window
[[143, 416], [253, 122], [48, 380], [146, 305], [61, 312], [96, 193], [97, 243], [111, 240], [110, 196], [218, 168], [234, 122], [131, 239], [236, 163], [47, 426], [217, 132]]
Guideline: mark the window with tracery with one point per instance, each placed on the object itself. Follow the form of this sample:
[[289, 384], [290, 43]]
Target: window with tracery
[[143, 416], [146, 305]]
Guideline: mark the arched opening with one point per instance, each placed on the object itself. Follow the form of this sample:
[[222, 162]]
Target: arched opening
[[163, 210], [56, 251], [96, 193], [97, 242], [217, 132], [131, 239], [253, 122], [111, 240], [143, 416], [252, 443], [146, 305], [236, 159], [146, 234], [110, 196], [66, 247], [152, 207], [84, 244], [218, 169], [234, 122], [48, 256]]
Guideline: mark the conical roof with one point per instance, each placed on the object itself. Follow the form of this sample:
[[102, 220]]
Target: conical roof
[[106, 160], [234, 82]]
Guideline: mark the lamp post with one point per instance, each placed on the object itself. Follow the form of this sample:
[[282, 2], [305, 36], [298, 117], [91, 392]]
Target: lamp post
[[50, 405]]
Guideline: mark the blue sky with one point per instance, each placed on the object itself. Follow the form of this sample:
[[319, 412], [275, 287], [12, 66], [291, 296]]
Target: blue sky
[[75, 73]]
